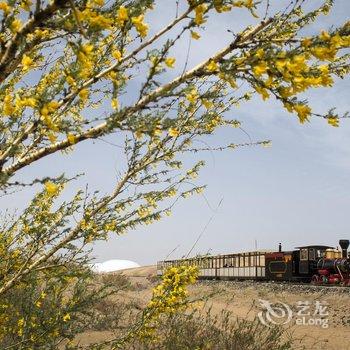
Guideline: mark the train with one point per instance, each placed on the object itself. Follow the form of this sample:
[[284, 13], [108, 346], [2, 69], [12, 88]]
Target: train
[[315, 264]]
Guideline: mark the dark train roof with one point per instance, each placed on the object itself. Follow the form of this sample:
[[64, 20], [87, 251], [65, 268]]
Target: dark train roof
[[316, 247]]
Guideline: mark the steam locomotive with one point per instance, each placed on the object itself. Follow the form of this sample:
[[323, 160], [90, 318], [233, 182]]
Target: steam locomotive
[[316, 264]]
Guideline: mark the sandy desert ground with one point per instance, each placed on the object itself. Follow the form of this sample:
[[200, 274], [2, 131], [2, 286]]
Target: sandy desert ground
[[242, 298]]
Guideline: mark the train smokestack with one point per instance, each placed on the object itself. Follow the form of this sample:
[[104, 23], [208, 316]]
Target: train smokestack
[[344, 245]]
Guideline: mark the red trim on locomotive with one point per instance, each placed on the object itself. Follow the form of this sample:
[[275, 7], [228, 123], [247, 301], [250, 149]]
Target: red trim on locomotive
[[332, 271]]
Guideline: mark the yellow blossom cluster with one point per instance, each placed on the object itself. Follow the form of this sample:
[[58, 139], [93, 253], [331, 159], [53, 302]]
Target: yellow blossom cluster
[[27, 63], [26, 4], [95, 19], [84, 94], [173, 132], [5, 7], [171, 295], [143, 212], [38, 34], [51, 188], [86, 60], [199, 14], [212, 66], [46, 111], [220, 6], [170, 62], [122, 15], [140, 25], [16, 25], [195, 35], [291, 73], [192, 96], [8, 108]]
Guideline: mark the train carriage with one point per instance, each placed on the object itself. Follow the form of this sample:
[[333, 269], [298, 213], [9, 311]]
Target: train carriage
[[248, 265]]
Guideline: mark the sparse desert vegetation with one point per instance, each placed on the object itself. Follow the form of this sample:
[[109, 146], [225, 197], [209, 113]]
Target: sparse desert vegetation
[[222, 317]]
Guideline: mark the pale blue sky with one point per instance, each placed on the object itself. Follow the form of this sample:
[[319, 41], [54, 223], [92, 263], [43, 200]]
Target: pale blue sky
[[296, 192]]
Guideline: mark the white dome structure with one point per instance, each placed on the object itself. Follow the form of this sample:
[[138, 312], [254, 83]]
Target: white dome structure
[[113, 265]]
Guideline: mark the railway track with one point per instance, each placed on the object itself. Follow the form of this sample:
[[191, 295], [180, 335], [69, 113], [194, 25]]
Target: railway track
[[281, 285]]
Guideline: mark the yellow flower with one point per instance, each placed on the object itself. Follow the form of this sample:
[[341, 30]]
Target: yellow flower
[[326, 80], [25, 5], [66, 317], [212, 66], [8, 108], [51, 188], [195, 35], [143, 212], [138, 134], [98, 2], [157, 131], [113, 75], [115, 103], [207, 103], [260, 68], [70, 80], [25, 102], [39, 33], [192, 96], [5, 7], [71, 138], [117, 55], [306, 42], [173, 132], [87, 49], [337, 41], [324, 36], [15, 25], [324, 53], [50, 107], [122, 15], [260, 53], [199, 190], [52, 137], [199, 12], [280, 64], [221, 8], [142, 28], [263, 92], [249, 4], [29, 102], [53, 105], [170, 62], [20, 324], [84, 94], [16, 253], [303, 112], [334, 121], [324, 69], [97, 20], [285, 92], [299, 59]]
